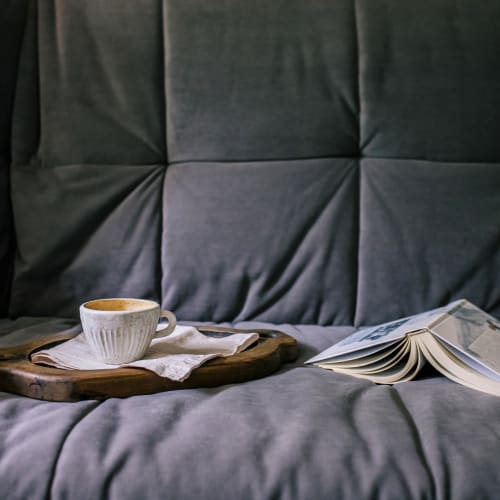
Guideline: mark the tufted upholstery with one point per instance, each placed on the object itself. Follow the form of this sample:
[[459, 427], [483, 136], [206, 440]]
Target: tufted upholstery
[[302, 161]]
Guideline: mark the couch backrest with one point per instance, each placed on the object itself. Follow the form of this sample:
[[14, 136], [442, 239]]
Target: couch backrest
[[325, 161]]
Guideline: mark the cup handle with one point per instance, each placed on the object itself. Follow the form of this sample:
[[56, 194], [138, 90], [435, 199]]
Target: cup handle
[[172, 321]]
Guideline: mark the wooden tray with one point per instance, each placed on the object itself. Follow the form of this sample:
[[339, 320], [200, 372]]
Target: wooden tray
[[20, 376]]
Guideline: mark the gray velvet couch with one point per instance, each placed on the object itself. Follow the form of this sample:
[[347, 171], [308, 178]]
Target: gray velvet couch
[[306, 165]]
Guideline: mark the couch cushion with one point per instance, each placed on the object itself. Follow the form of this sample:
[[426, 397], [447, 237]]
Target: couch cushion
[[302, 433], [260, 80], [429, 234], [429, 79], [85, 231], [267, 240], [99, 74]]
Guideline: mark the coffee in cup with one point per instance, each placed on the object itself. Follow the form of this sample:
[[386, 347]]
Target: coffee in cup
[[120, 330]]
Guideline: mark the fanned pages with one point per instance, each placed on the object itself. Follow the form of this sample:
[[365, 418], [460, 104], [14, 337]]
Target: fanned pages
[[459, 340]]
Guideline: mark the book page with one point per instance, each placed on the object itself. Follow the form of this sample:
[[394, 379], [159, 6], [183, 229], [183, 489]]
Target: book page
[[407, 364], [381, 365], [454, 368], [388, 351], [380, 335], [474, 333], [350, 355], [472, 363]]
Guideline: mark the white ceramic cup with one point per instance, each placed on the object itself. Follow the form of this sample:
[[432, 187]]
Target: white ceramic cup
[[120, 330]]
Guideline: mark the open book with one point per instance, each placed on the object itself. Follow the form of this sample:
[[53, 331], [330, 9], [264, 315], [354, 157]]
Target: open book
[[460, 340]]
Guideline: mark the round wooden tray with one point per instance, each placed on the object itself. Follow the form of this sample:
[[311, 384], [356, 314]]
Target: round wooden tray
[[20, 376]]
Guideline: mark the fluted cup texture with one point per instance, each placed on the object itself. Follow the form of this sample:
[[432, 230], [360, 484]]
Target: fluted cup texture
[[120, 336]]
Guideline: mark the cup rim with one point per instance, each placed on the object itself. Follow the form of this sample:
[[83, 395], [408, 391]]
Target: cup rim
[[153, 304]]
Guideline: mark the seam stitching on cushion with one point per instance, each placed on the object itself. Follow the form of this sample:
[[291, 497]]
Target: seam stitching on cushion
[[358, 164], [358, 75], [41, 167], [163, 63], [159, 282], [358, 245], [266, 160], [38, 165], [36, 156]]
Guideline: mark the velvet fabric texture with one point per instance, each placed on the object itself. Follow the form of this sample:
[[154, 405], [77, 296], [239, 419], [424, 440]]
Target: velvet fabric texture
[[260, 234], [314, 164], [309, 162], [304, 433]]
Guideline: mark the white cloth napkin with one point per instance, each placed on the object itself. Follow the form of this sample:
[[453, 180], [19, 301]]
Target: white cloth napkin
[[173, 357]]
